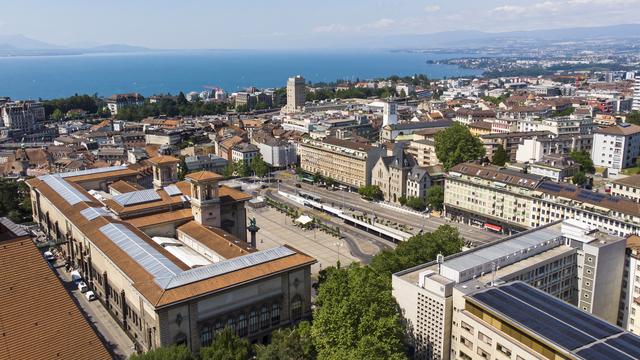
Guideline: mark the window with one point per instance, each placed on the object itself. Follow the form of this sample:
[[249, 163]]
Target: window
[[242, 325], [466, 326], [205, 336], [296, 308], [231, 324], [275, 314], [264, 317], [483, 354], [484, 338], [503, 349], [253, 321]]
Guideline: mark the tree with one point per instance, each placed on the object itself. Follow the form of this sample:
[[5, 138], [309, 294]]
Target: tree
[[226, 345], [580, 179], [241, 168], [57, 115], [416, 203], [402, 200], [317, 177], [357, 317], [165, 353], [584, 159], [633, 117], [15, 200], [456, 144], [182, 168], [329, 181], [181, 99], [371, 192], [259, 166], [418, 249], [500, 156], [435, 197], [228, 170], [293, 343]]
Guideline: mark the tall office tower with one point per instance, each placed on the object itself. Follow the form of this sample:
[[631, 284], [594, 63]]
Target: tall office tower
[[295, 94]]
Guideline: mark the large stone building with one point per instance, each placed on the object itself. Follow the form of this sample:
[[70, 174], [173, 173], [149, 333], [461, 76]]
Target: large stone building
[[570, 261], [22, 116], [119, 101], [35, 305], [347, 162], [172, 264], [504, 200], [390, 174]]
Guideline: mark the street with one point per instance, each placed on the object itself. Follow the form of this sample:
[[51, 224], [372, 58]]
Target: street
[[106, 327], [352, 200]]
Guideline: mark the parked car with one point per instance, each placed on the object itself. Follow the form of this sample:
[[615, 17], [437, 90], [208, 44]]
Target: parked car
[[82, 286], [76, 277], [49, 256], [90, 295]]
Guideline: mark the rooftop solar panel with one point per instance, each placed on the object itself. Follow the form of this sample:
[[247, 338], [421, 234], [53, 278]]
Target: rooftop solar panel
[[69, 193], [155, 263], [93, 212], [545, 185], [223, 267], [535, 320], [172, 190], [627, 343], [557, 308], [136, 197], [602, 351]]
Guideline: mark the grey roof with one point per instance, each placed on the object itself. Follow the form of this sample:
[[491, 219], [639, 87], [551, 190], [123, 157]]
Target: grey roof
[[226, 266], [155, 263], [136, 197], [69, 193], [477, 261], [92, 171], [13, 227], [172, 190], [93, 212], [422, 124]]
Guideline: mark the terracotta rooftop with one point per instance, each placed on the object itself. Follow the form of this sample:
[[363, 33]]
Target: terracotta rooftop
[[123, 187], [633, 181], [104, 175], [495, 173], [633, 242], [223, 243], [624, 129], [179, 217], [35, 306], [204, 176], [164, 159]]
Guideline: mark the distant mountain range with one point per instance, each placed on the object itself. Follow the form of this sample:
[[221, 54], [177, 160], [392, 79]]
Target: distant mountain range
[[13, 45]]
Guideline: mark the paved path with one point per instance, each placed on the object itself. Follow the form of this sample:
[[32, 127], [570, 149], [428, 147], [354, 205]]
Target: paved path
[[111, 333]]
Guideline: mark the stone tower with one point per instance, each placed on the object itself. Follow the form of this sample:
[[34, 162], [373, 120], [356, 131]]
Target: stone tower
[[165, 170], [205, 203]]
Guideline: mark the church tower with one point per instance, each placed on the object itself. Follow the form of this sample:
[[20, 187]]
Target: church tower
[[205, 203]]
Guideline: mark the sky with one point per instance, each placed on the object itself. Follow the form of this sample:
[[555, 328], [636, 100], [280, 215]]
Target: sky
[[196, 24]]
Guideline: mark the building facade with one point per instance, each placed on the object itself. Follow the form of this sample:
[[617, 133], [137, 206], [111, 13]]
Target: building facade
[[616, 147], [295, 94]]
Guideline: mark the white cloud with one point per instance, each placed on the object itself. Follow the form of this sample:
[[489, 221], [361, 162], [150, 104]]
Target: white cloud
[[604, 2], [331, 28], [432, 8], [537, 8]]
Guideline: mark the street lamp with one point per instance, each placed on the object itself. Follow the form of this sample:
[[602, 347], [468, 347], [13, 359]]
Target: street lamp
[[339, 244]]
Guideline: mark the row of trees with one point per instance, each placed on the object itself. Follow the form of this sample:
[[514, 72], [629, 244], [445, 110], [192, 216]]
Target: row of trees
[[56, 108], [257, 166], [359, 93], [171, 107], [435, 197], [356, 315]]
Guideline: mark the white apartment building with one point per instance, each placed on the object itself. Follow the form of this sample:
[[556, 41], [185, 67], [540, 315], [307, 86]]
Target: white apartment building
[[570, 261], [22, 115], [636, 94], [628, 187], [616, 147], [629, 315]]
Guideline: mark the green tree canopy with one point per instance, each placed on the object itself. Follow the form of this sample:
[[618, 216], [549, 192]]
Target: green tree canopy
[[357, 317], [228, 170], [294, 343], [259, 166], [15, 200], [226, 345], [580, 179], [241, 168], [633, 117], [165, 353], [456, 145], [416, 203], [584, 159], [435, 197], [500, 156], [418, 249], [371, 192], [57, 115]]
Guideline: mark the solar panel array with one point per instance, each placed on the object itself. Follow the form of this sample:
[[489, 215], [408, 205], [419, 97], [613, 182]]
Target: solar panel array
[[93, 212], [227, 266], [588, 195], [172, 190], [558, 321], [92, 171], [142, 252], [69, 193], [136, 197]]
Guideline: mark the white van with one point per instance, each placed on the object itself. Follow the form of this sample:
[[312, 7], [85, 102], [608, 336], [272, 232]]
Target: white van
[[49, 256], [82, 286], [76, 277], [90, 295]]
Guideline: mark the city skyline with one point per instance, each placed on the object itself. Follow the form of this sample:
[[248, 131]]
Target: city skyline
[[283, 24]]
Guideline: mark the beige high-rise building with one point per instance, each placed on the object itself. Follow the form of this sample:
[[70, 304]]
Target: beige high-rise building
[[295, 94]]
